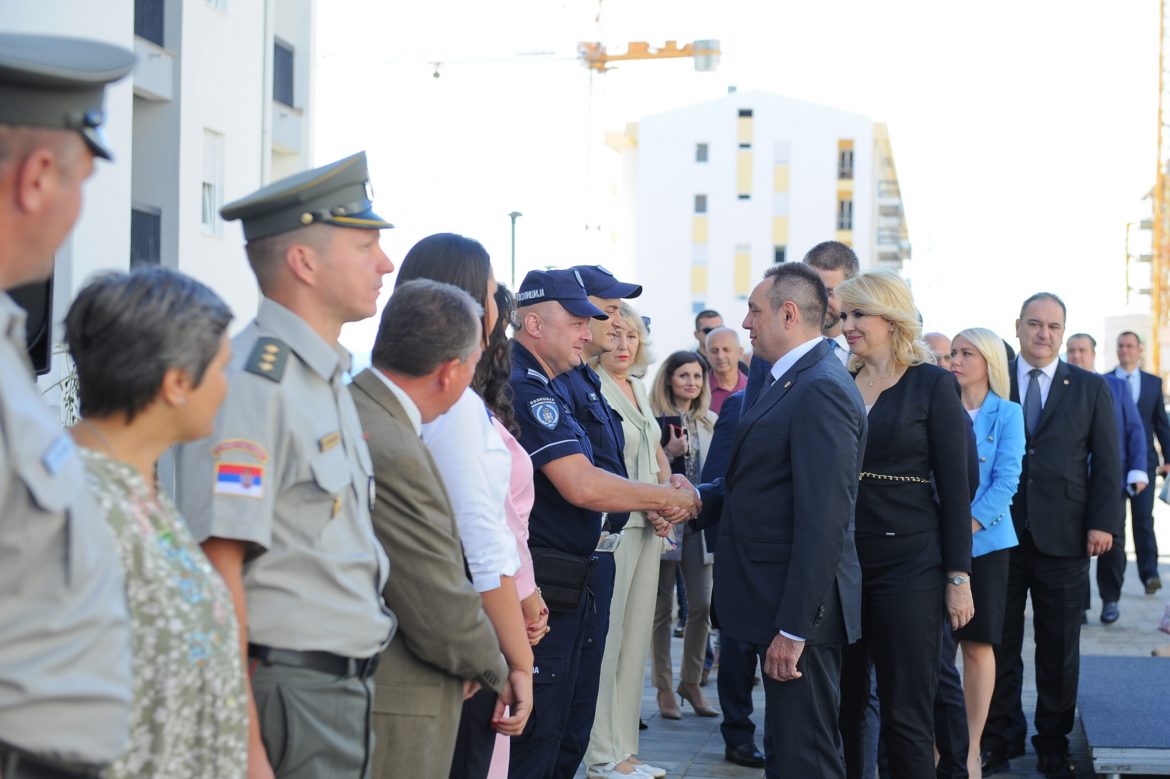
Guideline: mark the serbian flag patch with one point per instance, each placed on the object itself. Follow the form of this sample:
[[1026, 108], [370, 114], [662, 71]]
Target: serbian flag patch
[[239, 479]]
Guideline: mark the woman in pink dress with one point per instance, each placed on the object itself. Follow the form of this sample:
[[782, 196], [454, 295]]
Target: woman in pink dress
[[491, 382]]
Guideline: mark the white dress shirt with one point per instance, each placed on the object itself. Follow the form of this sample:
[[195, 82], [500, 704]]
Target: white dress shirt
[[476, 467], [408, 405], [841, 348], [1048, 372]]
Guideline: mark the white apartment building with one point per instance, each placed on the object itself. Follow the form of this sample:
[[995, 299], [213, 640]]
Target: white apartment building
[[219, 103], [712, 194]]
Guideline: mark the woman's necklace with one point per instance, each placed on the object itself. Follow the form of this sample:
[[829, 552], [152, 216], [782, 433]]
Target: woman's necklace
[[883, 377]]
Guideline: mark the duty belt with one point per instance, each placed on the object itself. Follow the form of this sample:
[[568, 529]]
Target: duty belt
[[18, 764], [324, 662]]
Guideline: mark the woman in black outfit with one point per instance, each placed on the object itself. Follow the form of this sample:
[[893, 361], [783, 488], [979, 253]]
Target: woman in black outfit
[[913, 523]]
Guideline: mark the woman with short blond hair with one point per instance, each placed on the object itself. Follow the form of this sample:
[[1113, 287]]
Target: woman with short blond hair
[[913, 527]]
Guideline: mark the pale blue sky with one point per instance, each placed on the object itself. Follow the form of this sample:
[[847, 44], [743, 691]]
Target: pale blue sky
[[1024, 132]]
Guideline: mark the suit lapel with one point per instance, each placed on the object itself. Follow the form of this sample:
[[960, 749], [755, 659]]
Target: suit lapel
[[378, 392], [1060, 382], [772, 396], [1013, 374]]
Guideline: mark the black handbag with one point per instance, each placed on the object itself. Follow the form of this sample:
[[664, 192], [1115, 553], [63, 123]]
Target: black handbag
[[561, 577]]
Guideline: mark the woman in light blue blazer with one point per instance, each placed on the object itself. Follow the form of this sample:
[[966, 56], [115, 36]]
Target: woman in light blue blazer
[[979, 363]]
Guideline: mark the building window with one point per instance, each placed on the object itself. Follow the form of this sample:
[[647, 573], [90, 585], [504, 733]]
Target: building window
[[845, 164], [282, 74], [148, 20], [145, 237], [845, 160], [845, 214], [700, 152], [744, 128], [700, 204], [211, 198], [780, 254]]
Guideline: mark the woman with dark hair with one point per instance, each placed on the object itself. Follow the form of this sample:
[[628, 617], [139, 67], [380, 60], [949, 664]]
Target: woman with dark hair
[[476, 464], [151, 350], [491, 382], [681, 397]]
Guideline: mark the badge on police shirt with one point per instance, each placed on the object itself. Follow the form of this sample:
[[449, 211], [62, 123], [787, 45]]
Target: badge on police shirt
[[545, 411]]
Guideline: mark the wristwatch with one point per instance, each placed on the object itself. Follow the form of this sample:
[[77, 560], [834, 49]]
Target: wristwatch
[[958, 581]]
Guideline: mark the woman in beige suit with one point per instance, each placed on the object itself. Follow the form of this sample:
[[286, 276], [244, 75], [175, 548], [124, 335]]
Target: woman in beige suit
[[613, 742], [682, 398]]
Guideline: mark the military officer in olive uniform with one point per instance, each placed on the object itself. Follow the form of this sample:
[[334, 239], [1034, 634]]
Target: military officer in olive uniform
[[65, 680], [280, 494]]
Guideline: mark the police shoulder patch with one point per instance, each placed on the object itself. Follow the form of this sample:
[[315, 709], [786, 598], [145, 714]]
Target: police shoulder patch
[[546, 411], [268, 358]]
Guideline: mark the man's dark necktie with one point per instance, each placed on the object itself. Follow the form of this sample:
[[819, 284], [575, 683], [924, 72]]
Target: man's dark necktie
[[769, 380], [1032, 405]]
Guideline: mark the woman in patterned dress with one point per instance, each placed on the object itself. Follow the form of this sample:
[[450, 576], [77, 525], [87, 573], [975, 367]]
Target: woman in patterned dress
[[151, 349]]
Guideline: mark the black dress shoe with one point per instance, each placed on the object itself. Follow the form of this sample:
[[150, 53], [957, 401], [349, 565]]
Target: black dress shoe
[[994, 761], [1056, 766], [745, 755], [1153, 584], [642, 724], [1110, 612]]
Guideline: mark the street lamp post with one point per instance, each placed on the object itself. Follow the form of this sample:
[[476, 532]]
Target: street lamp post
[[513, 215]]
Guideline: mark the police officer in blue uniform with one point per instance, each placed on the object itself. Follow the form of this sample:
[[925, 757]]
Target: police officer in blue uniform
[[582, 387], [553, 312]]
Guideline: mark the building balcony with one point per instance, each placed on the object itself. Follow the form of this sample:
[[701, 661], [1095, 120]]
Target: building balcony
[[154, 71], [287, 129]]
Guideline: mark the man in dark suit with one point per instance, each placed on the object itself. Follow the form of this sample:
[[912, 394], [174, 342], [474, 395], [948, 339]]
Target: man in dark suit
[[787, 579], [1146, 389], [446, 647], [1065, 512]]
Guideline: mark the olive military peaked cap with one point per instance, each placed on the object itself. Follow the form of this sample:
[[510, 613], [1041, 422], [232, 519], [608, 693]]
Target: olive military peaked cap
[[59, 83], [336, 194]]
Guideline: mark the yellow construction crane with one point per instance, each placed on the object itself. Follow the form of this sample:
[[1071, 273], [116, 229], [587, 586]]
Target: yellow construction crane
[[593, 55]]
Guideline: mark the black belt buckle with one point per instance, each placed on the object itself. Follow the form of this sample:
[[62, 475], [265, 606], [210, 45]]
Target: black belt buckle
[[364, 669]]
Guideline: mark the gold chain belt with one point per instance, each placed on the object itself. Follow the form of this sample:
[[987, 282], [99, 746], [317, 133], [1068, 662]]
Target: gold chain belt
[[886, 477]]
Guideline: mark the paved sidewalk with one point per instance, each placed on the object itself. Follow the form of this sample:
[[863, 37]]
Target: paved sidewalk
[[693, 747]]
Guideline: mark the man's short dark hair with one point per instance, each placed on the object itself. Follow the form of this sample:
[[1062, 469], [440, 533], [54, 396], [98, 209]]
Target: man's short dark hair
[[1092, 340], [706, 313], [802, 285], [1045, 296], [1124, 333], [425, 324], [126, 330], [833, 255]]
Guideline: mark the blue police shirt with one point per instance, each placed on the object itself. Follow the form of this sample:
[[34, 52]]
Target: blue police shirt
[[549, 431], [582, 387]]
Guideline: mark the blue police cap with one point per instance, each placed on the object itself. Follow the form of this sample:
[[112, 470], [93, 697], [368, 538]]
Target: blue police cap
[[336, 194], [59, 83], [564, 286], [600, 282]]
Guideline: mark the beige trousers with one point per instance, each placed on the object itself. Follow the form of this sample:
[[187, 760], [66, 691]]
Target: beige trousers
[[697, 580], [623, 664]]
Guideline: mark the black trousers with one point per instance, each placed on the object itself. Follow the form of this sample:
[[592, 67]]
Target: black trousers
[[801, 739], [737, 670], [901, 611], [1111, 565], [475, 739], [950, 712], [1057, 586]]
